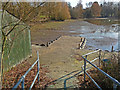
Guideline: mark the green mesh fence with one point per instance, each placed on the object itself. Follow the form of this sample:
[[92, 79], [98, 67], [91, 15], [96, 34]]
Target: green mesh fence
[[0, 46], [18, 43], [0, 34]]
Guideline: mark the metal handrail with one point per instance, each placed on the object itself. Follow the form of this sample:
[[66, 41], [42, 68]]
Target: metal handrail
[[94, 81], [115, 82], [91, 52], [23, 77], [70, 78], [82, 67]]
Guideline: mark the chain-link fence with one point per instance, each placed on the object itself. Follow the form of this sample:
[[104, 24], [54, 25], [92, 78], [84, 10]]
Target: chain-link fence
[[17, 44]]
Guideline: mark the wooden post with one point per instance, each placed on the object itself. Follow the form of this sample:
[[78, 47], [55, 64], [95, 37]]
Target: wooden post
[[79, 46], [81, 39], [99, 57], [85, 67], [112, 49]]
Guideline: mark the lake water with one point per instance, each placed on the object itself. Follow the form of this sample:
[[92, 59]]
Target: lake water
[[99, 36]]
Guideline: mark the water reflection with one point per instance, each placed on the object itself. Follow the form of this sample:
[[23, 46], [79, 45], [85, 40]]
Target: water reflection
[[103, 37]]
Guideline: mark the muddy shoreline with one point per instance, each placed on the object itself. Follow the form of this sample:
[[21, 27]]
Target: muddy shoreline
[[78, 28]]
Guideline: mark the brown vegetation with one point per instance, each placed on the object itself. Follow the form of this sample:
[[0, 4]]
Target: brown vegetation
[[96, 9], [111, 68], [48, 11], [11, 77]]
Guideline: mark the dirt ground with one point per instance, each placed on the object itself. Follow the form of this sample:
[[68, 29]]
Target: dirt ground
[[62, 57], [43, 33]]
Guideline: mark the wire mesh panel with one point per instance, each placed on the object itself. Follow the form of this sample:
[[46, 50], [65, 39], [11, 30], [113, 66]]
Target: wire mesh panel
[[17, 44], [0, 44], [0, 30]]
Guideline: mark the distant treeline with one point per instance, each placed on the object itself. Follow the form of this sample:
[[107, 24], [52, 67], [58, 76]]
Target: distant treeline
[[47, 11], [93, 10], [61, 11]]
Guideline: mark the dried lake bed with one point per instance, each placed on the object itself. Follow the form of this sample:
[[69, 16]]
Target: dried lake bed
[[98, 36]]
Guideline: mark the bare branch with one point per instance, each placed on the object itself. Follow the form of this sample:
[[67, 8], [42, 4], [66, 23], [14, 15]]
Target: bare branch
[[24, 18]]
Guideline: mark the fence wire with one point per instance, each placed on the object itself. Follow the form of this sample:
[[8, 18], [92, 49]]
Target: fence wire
[[18, 43]]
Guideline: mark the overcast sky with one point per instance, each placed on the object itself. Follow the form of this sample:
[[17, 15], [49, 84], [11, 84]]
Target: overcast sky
[[74, 2]]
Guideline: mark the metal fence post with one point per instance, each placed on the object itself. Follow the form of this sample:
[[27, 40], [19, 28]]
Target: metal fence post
[[65, 85], [23, 84], [38, 70], [38, 65], [85, 67], [114, 86], [99, 57]]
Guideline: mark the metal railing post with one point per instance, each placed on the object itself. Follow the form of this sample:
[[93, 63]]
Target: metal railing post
[[23, 84], [115, 82], [38, 71], [99, 57], [114, 86], [21, 81], [38, 65], [85, 67], [65, 85]]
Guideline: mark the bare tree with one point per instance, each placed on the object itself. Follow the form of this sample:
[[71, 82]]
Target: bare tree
[[25, 15]]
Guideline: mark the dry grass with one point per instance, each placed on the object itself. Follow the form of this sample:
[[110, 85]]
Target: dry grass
[[11, 77], [45, 32], [112, 68], [51, 25], [102, 21]]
